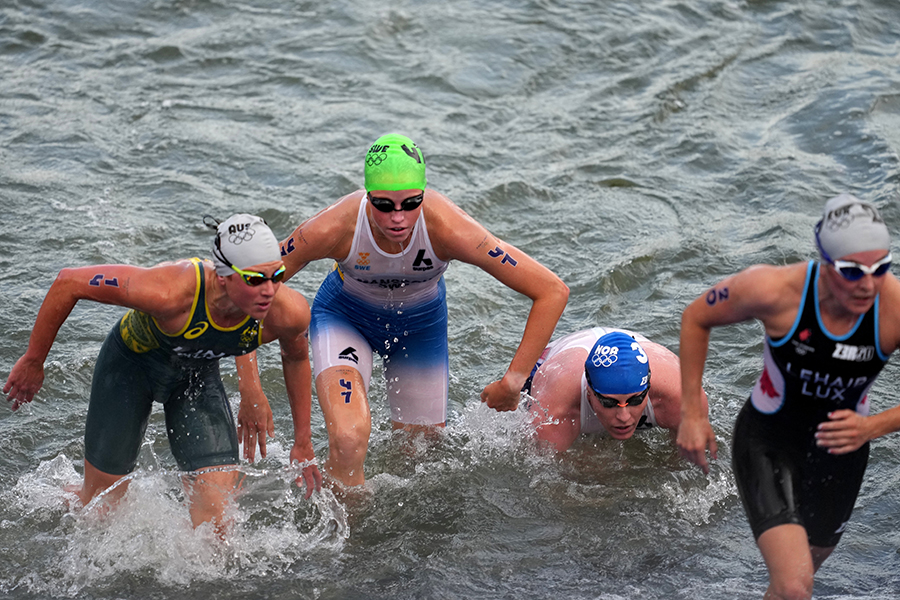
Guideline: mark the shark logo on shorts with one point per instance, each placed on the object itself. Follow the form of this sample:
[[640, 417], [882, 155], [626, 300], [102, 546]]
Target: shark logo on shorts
[[349, 353]]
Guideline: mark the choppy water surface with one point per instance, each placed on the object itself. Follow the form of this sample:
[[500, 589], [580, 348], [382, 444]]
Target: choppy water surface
[[642, 150]]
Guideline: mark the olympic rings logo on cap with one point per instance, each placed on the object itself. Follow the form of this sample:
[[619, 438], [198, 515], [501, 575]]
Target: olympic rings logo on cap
[[373, 160], [605, 356], [239, 237], [842, 217]]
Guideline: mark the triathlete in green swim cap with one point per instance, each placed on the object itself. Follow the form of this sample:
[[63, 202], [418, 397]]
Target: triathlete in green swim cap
[[392, 242]]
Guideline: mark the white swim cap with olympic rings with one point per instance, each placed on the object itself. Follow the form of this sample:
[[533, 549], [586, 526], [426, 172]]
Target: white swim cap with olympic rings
[[243, 240]]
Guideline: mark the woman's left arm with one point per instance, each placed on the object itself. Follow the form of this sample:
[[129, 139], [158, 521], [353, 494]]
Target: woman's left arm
[[459, 236], [289, 325]]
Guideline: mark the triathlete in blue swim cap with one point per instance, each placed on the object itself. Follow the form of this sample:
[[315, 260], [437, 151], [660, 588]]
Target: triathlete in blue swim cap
[[603, 381]]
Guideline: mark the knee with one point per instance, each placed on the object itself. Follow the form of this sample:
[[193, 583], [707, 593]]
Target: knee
[[795, 588], [349, 443]]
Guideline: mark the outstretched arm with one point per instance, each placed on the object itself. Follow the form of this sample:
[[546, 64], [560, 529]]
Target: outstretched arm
[[154, 291], [460, 237], [548, 295], [770, 294], [695, 433]]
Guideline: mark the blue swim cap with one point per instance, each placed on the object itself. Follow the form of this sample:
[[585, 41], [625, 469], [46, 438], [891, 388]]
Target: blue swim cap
[[617, 365]]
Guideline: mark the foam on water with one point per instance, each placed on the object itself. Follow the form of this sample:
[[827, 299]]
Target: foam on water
[[641, 150], [148, 534]]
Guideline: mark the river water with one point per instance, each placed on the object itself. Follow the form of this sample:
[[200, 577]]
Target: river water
[[642, 150]]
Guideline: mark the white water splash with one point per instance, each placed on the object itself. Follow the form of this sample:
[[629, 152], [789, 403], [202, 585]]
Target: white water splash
[[148, 533]]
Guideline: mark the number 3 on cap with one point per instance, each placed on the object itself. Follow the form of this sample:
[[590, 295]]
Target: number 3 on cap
[[641, 357]]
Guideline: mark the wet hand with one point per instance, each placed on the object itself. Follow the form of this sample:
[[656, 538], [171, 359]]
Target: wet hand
[[303, 453], [500, 397], [25, 379], [695, 435], [254, 422], [845, 432]]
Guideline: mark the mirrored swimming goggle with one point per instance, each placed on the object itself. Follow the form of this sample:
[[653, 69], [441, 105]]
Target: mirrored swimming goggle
[[252, 278], [635, 400], [386, 205], [853, 271]]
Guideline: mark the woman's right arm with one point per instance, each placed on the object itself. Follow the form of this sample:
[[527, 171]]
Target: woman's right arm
[[150, 290], [763, 292]]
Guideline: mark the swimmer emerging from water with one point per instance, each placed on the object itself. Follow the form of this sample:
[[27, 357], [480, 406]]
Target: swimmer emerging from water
[[603, 380], [184, 317], [801, 441], [392, 242]]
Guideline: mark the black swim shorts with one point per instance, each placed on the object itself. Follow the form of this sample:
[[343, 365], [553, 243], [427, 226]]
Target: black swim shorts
[[199, 421], [783, 477]]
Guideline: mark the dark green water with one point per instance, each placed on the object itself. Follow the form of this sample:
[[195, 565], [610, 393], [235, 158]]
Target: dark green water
[[642, 150]]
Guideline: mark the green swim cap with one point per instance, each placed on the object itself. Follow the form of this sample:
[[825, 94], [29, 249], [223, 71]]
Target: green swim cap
[[394, 163]]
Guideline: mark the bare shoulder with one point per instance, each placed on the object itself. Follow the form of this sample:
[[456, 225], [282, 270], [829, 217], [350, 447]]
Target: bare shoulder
[[175, 278], [334, 220], [759, 291], [289, 316], [665, 384], [438, 206], [772, 279], [289, 303], [325, 233], [665, 369], [453, 232], [557, 384], [660, 356]]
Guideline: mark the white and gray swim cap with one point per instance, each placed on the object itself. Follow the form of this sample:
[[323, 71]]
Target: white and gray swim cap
[[243, 240], [850, 225]]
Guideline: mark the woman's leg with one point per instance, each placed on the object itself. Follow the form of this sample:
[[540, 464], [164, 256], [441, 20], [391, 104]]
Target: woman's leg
[[345, 406]]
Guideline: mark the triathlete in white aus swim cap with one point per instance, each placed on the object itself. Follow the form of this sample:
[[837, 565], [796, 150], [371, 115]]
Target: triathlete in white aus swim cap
[[242, 241], [850, 225]]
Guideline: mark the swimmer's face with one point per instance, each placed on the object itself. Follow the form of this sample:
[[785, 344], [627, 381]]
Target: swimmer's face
[[620, 421], [254, 300], [858, 296], [397, 225]]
